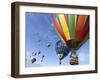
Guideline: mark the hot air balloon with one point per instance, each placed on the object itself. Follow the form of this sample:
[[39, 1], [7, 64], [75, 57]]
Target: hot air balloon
[[73, 31], [42, 58], [33, 60], [62, 50]]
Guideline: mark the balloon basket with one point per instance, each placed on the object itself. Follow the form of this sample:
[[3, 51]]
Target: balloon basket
[[74, 59], [60, 62]]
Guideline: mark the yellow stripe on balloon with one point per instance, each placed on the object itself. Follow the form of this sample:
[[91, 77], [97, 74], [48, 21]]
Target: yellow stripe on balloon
[[64, 26]]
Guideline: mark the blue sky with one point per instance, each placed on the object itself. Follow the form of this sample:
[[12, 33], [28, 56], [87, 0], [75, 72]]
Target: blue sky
[[39, 33]]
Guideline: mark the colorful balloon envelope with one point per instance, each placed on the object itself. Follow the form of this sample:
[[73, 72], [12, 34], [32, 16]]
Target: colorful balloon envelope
[[72, 29]]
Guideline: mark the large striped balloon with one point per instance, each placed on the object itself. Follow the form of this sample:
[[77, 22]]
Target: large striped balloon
[[72, 29]]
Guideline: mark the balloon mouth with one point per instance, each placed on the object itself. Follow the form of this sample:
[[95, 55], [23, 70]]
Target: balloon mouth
[[72, 44], [61, 55]]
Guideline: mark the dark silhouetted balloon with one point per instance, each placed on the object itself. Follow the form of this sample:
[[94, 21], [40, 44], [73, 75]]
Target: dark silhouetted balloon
[[33, 60]]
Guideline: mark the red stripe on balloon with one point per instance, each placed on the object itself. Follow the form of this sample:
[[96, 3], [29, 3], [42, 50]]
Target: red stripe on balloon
[[59, 29], [85, 29], [79, 27]]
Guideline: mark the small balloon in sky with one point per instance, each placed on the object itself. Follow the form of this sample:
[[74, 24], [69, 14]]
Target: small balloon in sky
[[34, 53], [39, 52], [42, 58], [48, 45], [33, 60]]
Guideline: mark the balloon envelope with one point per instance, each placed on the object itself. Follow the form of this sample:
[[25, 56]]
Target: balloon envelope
[[61, 49], [72, 29]]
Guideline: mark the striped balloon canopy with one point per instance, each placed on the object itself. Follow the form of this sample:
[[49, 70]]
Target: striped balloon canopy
[[72, 29]]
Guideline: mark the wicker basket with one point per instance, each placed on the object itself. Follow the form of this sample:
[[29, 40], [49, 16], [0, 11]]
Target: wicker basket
[[74, 61]]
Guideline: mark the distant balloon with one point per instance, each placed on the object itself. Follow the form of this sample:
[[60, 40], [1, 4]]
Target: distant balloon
[[39, 52], [34, 53], [33, 60], [42, 58], [62, 50], [48, 45]]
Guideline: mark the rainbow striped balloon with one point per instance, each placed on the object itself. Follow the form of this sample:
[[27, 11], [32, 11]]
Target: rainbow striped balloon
[[72, 29]]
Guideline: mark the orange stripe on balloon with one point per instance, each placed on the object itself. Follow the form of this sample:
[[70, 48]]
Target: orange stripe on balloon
[[79, 27], [59, 29]]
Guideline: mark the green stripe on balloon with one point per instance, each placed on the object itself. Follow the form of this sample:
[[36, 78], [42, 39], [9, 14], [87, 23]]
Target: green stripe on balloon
[[75, 43], [71, 25]]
